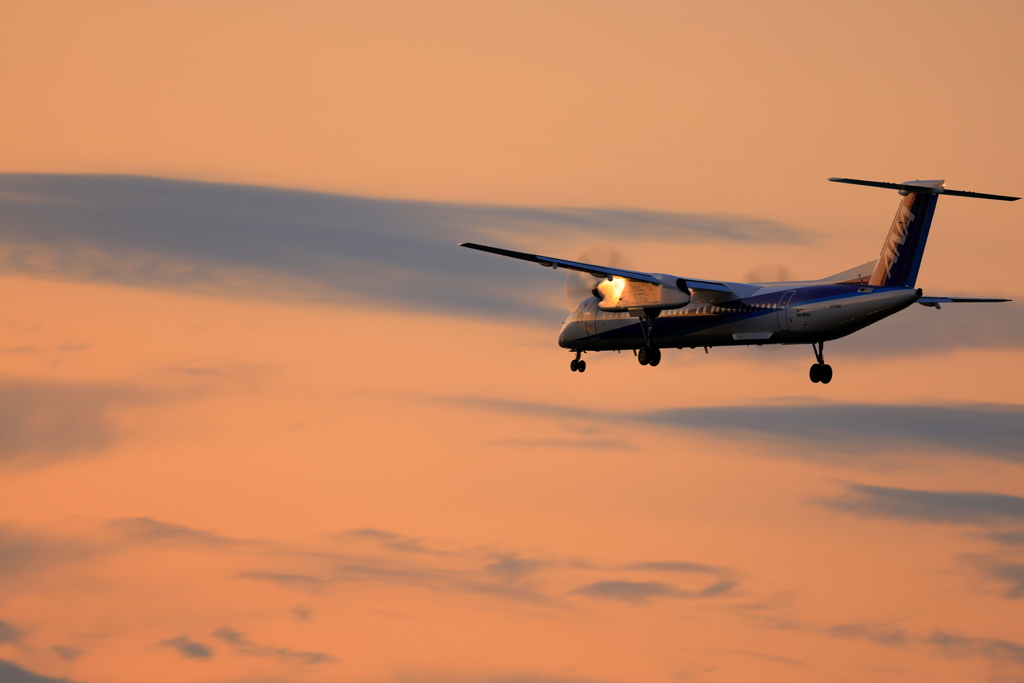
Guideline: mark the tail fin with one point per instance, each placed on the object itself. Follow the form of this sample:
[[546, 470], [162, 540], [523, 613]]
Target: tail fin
[[901, 255], [904, 246]]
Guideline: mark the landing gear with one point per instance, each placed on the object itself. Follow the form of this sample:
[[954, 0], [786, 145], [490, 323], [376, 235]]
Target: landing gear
[[653, 357], [820, 371], [648, 353], [578, 365], [649, 356]]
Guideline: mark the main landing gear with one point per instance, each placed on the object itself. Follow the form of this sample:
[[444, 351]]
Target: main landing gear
[[820, 372], [578, 365], [649, 356], [648, 353]]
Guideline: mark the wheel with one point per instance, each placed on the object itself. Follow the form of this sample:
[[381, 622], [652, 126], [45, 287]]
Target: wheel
[[582, 366], [653, 357], [642, 356], [815, 373], [574, 365], [826, 374]]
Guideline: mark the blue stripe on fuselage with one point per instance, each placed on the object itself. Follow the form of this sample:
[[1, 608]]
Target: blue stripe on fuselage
[[672, 330]]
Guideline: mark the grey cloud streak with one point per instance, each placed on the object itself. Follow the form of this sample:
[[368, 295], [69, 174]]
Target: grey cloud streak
[[1012, 574], [946, 507], [882, 635], [187, 648], [834, 431], [244, 646], [12, 673], [1008, 537], [44, 421], [389, 558], [956, 646], [976, 508], [946, 644], [22, 551], [146, 530], [265, 241], [8, 634], [626, 591], [919, 330], [449, 677], [279, 243]]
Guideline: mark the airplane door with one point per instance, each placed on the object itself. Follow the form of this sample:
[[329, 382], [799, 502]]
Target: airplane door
[[783, 313], [589, 311]]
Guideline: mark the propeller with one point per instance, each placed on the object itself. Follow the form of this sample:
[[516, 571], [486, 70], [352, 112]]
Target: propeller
[[578, 286]]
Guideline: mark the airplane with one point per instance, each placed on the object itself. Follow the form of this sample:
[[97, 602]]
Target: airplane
[[648, 312]]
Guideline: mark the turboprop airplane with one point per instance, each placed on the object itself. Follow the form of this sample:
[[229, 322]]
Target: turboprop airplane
[[648, 312]]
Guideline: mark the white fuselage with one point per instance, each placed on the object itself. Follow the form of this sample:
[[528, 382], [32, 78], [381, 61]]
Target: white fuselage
[[779, 313]]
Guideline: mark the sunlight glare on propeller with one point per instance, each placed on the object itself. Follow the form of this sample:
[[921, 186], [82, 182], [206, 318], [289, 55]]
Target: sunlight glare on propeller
[[611, 290], [579, 286]]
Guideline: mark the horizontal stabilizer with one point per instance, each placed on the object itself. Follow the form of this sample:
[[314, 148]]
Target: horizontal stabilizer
[[937, 301], [924, 187]]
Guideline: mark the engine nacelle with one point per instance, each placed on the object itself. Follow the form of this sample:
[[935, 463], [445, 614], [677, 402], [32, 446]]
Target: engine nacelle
[[619, 294]]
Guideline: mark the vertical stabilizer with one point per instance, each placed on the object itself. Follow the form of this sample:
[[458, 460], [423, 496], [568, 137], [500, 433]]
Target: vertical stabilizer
[[901, 255]]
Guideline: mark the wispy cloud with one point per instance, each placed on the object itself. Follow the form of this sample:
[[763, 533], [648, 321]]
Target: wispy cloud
[[12, 673], [919, 330], [965, 508], [641, 591], [626, 591], [510, 568], [273, 242], [956, 646], [883, 635], [8, 634], [946, 644], [190, 649], [1013, 574], [232, 239], [44, 421], [146, 530], [287, 579], [388, 558], [686, 567], [245, 646], [947, 507], [849, 432], [456, 677], [22, 551], [67, 653], [1007, 537]]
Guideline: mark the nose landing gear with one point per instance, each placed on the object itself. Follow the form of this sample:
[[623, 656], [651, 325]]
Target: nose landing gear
[[820, 371], [578, 365]]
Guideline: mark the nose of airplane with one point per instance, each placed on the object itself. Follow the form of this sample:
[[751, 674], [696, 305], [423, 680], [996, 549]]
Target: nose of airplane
[[572, 332]]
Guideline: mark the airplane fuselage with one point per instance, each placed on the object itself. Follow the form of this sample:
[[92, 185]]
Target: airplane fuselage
[[648, 312], [783, 313]]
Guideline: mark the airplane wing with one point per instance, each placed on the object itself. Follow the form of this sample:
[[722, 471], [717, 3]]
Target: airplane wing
[[937, 301], [595, 270]]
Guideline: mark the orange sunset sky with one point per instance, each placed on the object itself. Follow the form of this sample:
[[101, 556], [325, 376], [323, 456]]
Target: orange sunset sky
[[261, 421]]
